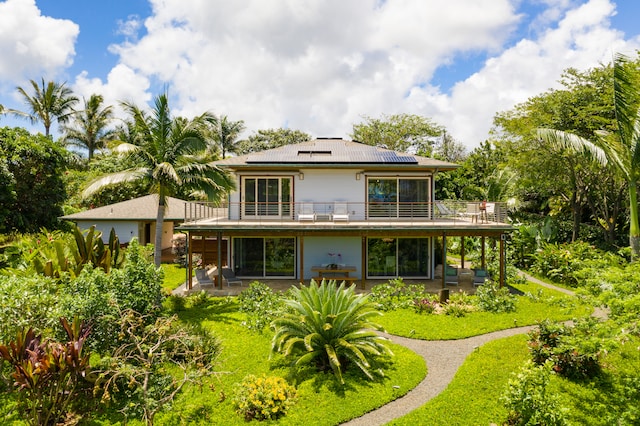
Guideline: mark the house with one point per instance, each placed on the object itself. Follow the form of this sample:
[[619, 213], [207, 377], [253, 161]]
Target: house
[[334, 208], [133, 218]]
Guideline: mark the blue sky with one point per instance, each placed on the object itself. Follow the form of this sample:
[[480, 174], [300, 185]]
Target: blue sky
[[313, 65]]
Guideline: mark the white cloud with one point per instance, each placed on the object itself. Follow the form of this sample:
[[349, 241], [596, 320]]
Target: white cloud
[[32, 45]]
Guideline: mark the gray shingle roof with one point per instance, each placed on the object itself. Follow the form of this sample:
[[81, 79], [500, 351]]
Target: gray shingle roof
[[332, 151], [142, 208]]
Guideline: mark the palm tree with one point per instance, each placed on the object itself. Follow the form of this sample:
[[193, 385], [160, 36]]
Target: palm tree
[[49, 102], [91, 126], [225, 133], [621, 149], [168, 153]]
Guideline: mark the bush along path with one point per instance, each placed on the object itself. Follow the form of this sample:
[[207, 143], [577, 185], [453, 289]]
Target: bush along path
[[443, 358]]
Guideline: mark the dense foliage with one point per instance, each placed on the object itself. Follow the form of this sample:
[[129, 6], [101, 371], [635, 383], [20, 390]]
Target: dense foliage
[[32, 190], [263, 398]]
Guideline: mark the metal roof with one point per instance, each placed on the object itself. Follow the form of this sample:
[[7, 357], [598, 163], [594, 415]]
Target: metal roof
[[332, 151]]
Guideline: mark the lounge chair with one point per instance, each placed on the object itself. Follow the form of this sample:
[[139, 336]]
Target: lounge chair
[[206, 277], [451, 275], [306, 212], [230, 277], [340, 212], [442, 210], [480, 276]]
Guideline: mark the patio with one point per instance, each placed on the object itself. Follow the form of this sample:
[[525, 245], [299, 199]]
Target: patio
[[432, 286]]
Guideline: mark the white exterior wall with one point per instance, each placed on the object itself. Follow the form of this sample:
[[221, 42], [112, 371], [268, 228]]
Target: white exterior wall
[[317, 249], [324, 187], [125, 230]]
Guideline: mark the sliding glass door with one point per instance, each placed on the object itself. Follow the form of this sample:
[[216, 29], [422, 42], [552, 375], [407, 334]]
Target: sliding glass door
[[264, 257], [398, 257], [398, 197], [266, 197]]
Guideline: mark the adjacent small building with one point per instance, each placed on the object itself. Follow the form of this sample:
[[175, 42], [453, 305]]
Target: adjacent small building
[[133, 218]]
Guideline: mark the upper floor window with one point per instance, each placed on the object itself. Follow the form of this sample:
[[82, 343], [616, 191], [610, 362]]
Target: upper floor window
[[268, 196], [398, 197]]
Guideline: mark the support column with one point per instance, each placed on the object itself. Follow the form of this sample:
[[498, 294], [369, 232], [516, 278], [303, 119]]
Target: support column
[[301, 237], [502, 260], [462, 252], [363, 263], [189, 263], [219, 239], [482, 245], [444, 258]]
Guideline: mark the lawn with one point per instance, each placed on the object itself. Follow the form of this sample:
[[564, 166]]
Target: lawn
[[321, 400], [538, 303]]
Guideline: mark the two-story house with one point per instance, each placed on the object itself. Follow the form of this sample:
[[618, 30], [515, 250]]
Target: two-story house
[[329, 205]]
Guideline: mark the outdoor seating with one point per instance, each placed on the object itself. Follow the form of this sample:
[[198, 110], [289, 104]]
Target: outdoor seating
[[340, 212], [480, 276], [306, 212], [472, 212], [442, 210], [206, 277], [451, 275], [229, 277]]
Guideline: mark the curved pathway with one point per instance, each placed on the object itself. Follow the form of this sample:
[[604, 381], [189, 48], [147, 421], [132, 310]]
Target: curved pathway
[[443, 358]]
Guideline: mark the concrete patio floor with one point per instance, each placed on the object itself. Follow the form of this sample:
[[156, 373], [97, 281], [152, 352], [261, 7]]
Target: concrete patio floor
[[432, 286]]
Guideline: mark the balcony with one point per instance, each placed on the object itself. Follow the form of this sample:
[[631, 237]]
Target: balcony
[[347, 214]]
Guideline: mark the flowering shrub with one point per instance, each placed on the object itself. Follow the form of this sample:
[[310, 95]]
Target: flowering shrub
[[263, 398], [425, 305]]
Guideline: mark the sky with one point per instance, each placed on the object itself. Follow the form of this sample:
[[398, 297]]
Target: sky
[[319, 66]]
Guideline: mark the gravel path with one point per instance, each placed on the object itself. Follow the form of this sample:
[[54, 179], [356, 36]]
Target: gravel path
[[443, 358]]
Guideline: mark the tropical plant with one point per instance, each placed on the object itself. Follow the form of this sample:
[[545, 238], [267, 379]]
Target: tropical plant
[[620, 149], [168, 153], [48, 376], [225, 133], [153, 363], [260, 304], [48, 102], [491, 298], [90, 128], [263, 398], [528, 400], [399, 132], [331, 328]]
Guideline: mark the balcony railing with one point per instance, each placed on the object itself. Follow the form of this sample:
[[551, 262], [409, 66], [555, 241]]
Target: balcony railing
[[447, 210]]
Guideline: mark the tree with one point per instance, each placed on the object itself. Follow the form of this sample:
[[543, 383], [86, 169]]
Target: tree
[[225, 133], [90, 129], [48, 102], [167, 153], [32, 190], [550, 177], [269, 139], [400, 132], [619, 149]]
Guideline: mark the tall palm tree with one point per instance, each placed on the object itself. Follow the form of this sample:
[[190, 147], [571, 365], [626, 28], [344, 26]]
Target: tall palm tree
[[48, 102], [620, 149], [90, 129], [225, 133], [168, 153]]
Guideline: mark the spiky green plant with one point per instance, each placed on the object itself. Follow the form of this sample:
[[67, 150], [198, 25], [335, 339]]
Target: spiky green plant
[[330, 327]]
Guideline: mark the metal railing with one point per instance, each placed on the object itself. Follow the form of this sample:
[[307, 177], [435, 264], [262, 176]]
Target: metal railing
[[325, 211]]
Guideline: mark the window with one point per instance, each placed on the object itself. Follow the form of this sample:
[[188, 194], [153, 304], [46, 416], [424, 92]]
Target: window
[[264, 257], [393, 257], [398, 197], [267, 197]]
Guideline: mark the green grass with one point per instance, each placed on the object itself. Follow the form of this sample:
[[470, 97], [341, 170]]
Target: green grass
[[545, 303], [174, 276], [473, 397], [322, 401]]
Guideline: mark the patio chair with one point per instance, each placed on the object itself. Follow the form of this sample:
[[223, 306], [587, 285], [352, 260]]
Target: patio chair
[[205, 277], [230, 277], [489, 212], [340, 212], [442, 210], [451, 275], [473, 212], [480, 276], [306, 212]]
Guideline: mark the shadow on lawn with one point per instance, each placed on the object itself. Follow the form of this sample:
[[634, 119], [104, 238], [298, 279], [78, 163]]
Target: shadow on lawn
[[221, 311]]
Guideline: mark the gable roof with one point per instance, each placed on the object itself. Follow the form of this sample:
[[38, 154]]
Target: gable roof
[[142, 208], [332, 151]]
